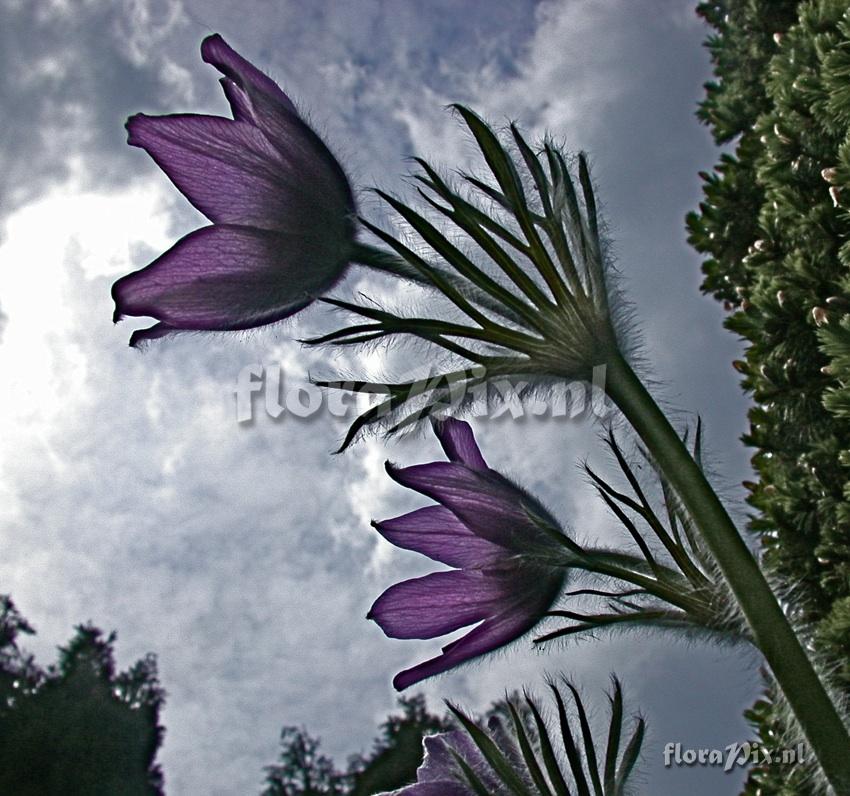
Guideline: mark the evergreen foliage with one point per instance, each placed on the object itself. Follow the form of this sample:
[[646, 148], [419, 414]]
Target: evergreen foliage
[[78, 727], [774, 223], [302, 770], [397, 751]]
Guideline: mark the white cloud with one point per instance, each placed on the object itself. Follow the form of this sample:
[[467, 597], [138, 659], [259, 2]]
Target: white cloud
[[72, 72]]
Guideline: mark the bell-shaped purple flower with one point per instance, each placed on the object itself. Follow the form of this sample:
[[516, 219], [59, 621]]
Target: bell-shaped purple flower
[[494, 534], [439, 774], [281, 208], [517, 756]]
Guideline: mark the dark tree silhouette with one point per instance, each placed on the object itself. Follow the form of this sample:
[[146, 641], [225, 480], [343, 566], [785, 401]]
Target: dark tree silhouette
[[397, 751], [78, 727], [302, 770]]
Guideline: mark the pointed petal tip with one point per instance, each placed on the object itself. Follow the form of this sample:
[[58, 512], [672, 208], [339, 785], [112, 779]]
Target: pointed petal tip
[[141, 337], [131, 126], [209, 46], [416, 674], [218, 53], [118, 314], [458, 442], [137, 341], [394, 471]]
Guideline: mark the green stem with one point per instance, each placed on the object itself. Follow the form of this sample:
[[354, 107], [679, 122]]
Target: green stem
[[681, 598], [818, 717], [387, 262]]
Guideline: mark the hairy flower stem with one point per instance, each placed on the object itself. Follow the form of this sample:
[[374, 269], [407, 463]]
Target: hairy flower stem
[[818, 716]]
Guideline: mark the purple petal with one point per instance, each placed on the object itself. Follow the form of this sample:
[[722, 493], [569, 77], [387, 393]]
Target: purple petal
[[439, 763], [459, 443], [532, 591], [228, 277], [439, 603], [440, 775], [505, 739], [489, 505], [488, 636], [240, 103], [437, 788], [437, 533], [216, 51], [232, 174], [155, 332], [319, 175]]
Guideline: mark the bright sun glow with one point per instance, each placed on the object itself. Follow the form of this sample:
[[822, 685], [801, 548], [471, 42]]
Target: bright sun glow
[[49, 249]]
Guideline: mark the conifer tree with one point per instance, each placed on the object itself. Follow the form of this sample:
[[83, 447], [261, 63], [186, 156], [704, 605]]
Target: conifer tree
[[397, 751], [774, 223], [78, 727], [301, 768]]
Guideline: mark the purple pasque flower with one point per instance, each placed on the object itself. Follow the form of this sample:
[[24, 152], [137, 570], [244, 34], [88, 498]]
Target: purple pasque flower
[[494, 534], [439, 773], [281, 208]]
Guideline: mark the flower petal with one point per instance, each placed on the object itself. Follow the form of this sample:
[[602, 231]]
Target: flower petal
[[459, 443], [439, 773], [240, 104], [443, 787], [321, 180], [488, 636], [217, 52], [438, 603], [532, 591], [437, 533], [438, 762], [227, 277], [155, 332], [228, 170], [320, 175], [488, 504]]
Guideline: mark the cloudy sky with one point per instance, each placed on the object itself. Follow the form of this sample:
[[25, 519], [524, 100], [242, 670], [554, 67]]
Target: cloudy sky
[[241, 554]]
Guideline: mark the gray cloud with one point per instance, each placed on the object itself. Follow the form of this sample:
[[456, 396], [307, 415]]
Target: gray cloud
[[70, 74]]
